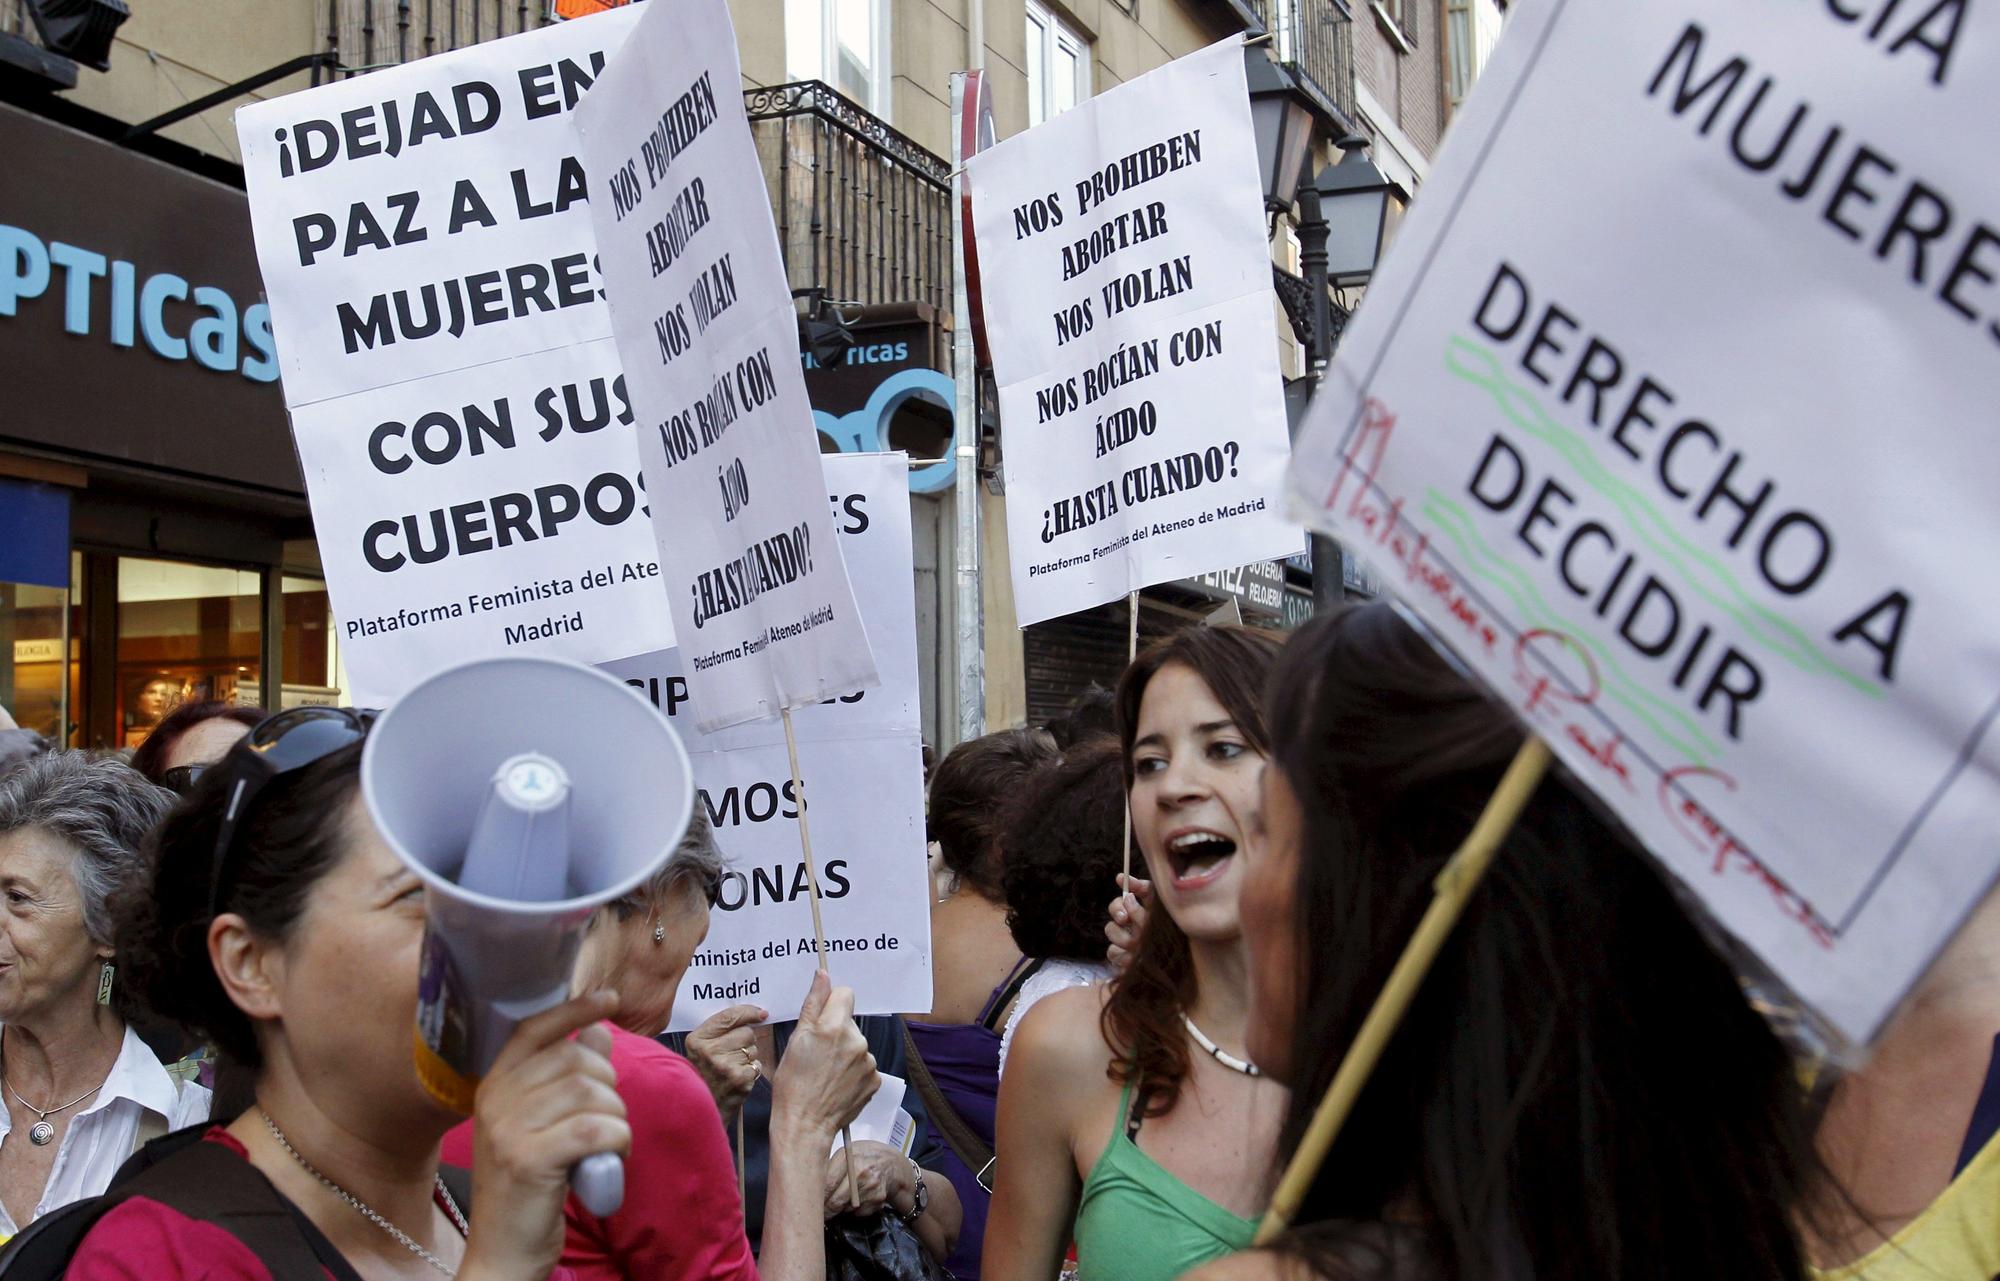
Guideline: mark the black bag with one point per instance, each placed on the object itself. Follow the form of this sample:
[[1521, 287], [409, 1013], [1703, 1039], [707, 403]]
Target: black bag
[[207, 1183], [878, 1247]]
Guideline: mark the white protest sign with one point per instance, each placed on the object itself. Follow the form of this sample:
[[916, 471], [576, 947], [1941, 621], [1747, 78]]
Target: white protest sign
[[1671, 413], [461, 420], [430, 216], [706, 329], [1128, 301], [861, 758]]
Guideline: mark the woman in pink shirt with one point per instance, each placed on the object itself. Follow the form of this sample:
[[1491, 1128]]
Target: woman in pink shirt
[[683, 1219]]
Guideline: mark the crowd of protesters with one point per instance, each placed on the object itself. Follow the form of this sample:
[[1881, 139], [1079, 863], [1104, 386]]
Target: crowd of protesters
[[208, 961]]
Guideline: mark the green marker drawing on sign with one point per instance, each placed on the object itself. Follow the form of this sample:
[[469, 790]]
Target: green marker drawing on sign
[[1483, 562], [1702, 573]]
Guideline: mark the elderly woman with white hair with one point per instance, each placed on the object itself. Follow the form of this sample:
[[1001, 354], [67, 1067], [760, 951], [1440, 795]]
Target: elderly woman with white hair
[[682, 1219], [82, 1090]]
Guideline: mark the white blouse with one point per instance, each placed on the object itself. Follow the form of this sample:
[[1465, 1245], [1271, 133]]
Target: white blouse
[[1053, 977], [101, 1137]]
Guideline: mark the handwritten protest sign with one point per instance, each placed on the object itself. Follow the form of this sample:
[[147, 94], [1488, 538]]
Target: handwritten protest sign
[[709, 339], [862, 761], [1127, 288], [463, 426], [1671, 414]]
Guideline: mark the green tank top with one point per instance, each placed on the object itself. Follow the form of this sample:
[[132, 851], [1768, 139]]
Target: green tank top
[[1136, 1222]]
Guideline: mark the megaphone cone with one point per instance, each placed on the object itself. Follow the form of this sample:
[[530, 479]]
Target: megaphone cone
[[526, 792]]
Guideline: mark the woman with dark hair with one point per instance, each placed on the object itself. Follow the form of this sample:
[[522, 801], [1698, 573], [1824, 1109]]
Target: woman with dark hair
[[954, 1048], [1579, 1091], [1130, 1119], [1059, 856], [276, 923], [191, 738]]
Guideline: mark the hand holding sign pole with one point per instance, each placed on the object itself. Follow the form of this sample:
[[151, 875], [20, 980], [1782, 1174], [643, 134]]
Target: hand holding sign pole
[[1454, 889], [702, 316]]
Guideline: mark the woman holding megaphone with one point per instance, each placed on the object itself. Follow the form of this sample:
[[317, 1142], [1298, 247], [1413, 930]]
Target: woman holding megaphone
[[277, 924]]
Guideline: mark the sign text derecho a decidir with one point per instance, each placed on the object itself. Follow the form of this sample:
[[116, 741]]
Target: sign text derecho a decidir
[[1669, 544]]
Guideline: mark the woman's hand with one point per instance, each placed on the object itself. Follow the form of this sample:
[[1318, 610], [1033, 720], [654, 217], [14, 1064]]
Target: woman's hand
[[882, 1176], [716, 1049], [827, 1073], [549, 1101], [1128, 920]]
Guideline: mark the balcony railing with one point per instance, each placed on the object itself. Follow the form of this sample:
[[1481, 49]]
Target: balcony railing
[[863, 212], [1314, 40], [372, 33]]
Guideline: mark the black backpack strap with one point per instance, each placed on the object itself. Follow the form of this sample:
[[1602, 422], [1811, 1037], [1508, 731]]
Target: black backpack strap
[[43, 1249], [998, 1004], [209, 1183], [976, 1156]]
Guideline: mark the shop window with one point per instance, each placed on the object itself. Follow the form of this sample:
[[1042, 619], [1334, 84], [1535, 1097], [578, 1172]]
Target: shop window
[[37, 658], [309, 652], [1058, 65], [843, 42], [185, 633]]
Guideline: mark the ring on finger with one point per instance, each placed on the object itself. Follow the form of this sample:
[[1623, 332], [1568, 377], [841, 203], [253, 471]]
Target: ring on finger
[[749, 1055]]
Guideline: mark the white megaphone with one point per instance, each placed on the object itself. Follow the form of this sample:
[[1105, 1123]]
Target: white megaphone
[[526, 792]]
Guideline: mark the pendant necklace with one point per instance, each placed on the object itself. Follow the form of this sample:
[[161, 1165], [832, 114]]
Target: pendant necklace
[[41, 1133], [1216, 1052]]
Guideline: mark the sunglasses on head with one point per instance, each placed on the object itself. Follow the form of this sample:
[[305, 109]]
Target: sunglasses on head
[[180, 780], [281, 744]]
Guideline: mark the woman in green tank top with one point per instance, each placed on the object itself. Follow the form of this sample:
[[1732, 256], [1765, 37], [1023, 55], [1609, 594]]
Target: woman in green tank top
[[1130, 1119]]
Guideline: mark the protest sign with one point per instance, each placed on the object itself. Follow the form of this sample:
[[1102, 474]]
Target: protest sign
[[1668, 414], [862, 761], [461, 420], [1128, 304], [704, 323]]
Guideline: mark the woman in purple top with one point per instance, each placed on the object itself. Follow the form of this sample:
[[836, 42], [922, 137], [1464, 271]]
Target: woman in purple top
[[954, 1049]]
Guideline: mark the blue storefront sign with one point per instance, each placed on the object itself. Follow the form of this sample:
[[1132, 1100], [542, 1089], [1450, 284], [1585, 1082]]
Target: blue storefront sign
[[34, 534]]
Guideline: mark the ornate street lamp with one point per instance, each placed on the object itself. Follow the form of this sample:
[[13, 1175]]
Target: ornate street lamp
[[1284, 127], [1361, 207]]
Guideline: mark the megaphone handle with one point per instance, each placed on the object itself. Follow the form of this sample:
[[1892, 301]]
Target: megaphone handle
[[599, 1183]]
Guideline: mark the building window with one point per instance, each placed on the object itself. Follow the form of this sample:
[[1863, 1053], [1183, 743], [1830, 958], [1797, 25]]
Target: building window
[[1398, 19], [1058, 65], [1472, 28], [843, 42]]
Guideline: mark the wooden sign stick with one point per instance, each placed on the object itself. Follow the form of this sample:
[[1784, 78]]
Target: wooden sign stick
[[819, 931], [1125, 847], [1453, 889]]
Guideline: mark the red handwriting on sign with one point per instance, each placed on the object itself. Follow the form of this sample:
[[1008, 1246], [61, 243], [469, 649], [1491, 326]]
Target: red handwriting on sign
[[1707, 834], [1553, 702], [1381, 525]]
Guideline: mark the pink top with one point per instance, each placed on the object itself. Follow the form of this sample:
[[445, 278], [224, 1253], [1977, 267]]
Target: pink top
[[682, 1219], [142, 1240]]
